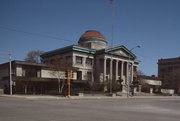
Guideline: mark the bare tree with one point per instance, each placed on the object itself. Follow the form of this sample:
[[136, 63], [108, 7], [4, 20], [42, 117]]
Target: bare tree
[[59, 68], [145, 86], [139, 72], [34, 56]]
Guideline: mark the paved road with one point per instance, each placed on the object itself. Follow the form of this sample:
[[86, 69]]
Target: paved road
[[134, 109]]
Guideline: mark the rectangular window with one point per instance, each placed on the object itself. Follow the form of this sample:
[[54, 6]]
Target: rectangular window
[[89, 61], [79, 60], [31, 72], [79, 75]]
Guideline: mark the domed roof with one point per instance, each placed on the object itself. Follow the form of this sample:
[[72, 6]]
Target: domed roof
[[92, 35]]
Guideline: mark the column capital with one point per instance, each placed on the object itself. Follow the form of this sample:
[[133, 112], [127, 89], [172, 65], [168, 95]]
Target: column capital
[[116, 60], [130, 63]]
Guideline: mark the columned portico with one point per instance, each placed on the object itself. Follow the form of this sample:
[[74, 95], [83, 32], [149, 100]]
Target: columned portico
[[116, 73], [114, 69]]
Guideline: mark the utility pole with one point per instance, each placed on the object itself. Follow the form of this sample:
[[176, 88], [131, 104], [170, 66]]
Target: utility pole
[[112, 44], [10, 74], [129, 75], [129, 71], [10, 71]]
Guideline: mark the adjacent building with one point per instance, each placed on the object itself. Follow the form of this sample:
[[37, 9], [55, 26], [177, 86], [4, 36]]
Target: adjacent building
[[169, 73], [150, 84], [29, 78], [95, 63]]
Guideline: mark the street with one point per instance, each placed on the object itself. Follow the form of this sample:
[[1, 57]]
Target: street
[[122, 109]]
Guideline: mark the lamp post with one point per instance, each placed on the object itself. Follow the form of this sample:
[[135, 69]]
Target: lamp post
[[10, 71], [129, 71]]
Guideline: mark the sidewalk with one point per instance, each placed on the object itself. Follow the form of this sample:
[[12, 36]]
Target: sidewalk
[[33, 96], [59, 97], [81, 97]]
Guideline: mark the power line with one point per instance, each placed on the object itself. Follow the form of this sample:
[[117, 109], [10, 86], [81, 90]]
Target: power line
[[32, 33], [4, 53]]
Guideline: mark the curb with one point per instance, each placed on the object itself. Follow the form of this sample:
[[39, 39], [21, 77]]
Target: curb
[[21, 97]]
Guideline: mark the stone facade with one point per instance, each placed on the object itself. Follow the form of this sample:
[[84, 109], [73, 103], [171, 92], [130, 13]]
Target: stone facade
[[94, 61], [106, 64]]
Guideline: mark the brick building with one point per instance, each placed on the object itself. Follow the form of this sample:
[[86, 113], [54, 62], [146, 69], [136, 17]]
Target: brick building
[[169, 73]]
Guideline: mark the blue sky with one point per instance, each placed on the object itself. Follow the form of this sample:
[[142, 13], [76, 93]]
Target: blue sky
[[153, 24]]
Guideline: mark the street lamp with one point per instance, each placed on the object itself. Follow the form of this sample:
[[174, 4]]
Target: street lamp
[[10, 71], [129, 72]]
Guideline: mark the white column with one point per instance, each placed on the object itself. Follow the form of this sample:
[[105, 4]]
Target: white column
[[84, 62], [110, 69], [110, 75], [127, 73], [105, 69], [122, 70], [132, 68], [117, 64], [122, 77], [73, 60], [105, 81]]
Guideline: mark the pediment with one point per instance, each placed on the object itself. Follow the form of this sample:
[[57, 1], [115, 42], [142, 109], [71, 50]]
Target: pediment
[[121, 50]]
